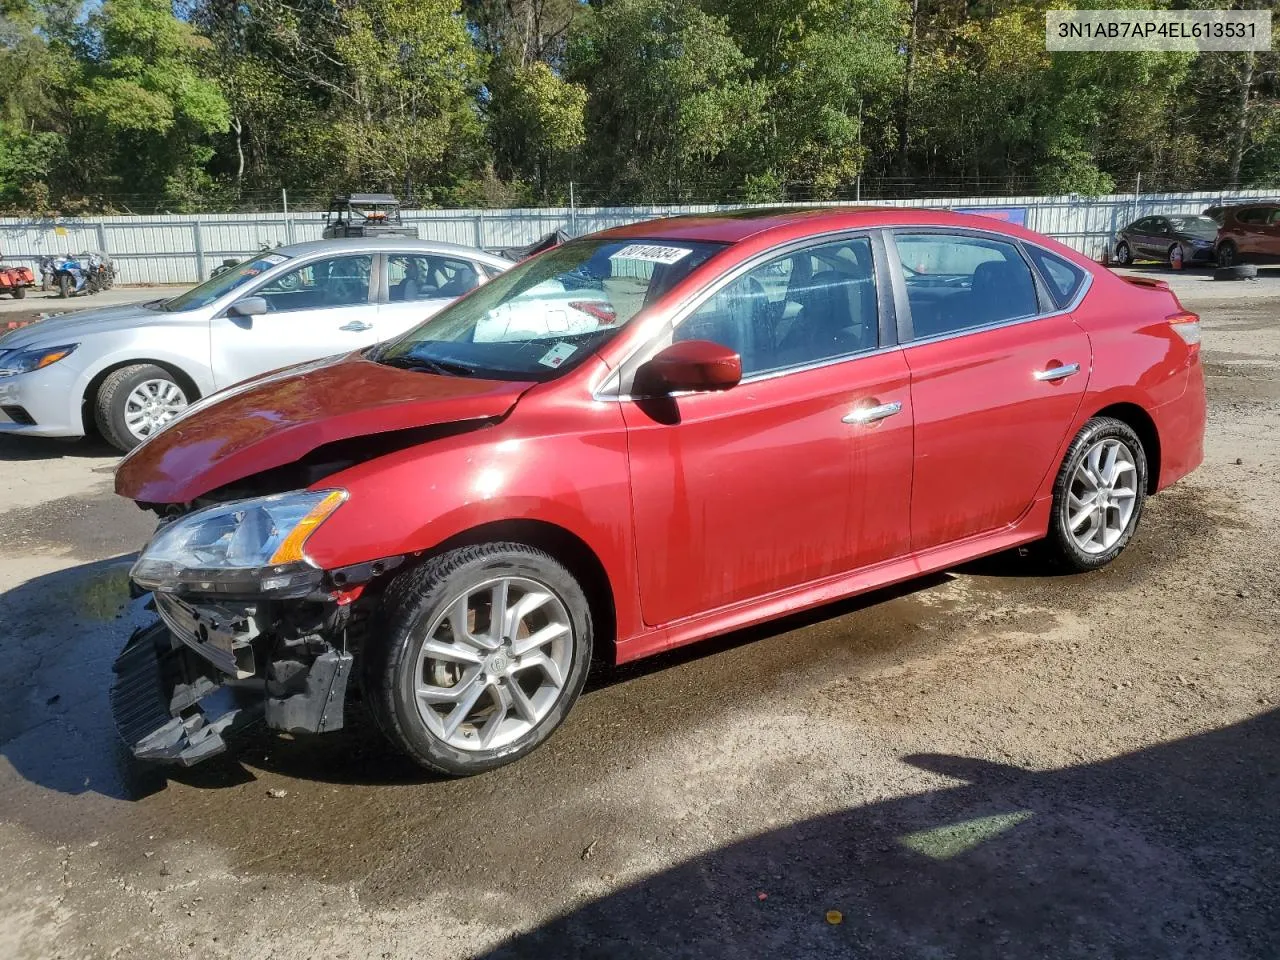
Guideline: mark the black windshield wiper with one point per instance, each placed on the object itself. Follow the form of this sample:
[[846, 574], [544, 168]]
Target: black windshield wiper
[[444, 367]]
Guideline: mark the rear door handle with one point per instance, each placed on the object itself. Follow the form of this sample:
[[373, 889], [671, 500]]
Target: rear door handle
[[1058, 373], [356, 326], [872, 414]]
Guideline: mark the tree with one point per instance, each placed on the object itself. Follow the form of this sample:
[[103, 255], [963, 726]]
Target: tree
[[669, 99], [144, 101]]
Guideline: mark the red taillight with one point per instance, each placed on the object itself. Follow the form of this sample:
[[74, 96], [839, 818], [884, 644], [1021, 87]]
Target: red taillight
[[603, 312], [1187, 326]]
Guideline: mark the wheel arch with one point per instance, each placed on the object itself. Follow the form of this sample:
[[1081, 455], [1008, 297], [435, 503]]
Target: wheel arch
[[568, 548], [1141, 423], [184, 380]]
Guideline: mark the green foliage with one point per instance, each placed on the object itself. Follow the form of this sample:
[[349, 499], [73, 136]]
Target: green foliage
[[130, 105]]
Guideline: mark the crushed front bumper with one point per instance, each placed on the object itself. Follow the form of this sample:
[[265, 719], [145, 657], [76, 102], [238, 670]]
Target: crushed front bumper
[[203, 671]]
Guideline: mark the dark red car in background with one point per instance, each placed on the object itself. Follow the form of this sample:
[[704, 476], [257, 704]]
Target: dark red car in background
[[1249, 233], [755, 414]]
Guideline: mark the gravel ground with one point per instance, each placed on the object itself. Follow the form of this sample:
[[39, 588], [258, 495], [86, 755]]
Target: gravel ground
[[989, 763]]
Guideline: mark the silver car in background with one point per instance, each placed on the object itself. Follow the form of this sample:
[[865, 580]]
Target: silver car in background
[[129, 370]]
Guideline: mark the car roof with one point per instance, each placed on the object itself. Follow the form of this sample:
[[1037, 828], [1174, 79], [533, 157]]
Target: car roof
[[388, 244], [734, 226]]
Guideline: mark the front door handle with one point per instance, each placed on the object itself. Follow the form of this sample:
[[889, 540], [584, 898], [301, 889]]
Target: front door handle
[[1058, 373], [356, 326], [872, 414]]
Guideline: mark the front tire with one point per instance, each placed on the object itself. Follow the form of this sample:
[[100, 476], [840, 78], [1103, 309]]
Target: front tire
[[64, 286], [19, 292], [460, 690], [135, 402], [1124, 256], [1098, 496]]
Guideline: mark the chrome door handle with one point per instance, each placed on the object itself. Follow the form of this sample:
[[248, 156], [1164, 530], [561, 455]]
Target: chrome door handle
[[356, 326], [1058, 373], [872, 414]]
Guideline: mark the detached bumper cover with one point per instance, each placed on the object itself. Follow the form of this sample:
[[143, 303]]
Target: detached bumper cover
[[172, 704]]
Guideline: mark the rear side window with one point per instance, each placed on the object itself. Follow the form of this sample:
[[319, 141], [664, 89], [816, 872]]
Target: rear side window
[[1252, 215], [956, 282], [1062, 277]]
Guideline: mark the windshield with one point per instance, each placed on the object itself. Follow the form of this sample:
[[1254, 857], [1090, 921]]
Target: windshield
[[545, 315], [1197, 226], [222, 283]]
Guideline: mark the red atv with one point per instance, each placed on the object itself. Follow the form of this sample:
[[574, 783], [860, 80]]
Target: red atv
[[15, 280]]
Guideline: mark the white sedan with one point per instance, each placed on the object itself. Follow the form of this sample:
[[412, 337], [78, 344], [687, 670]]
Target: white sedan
[[129, 370]]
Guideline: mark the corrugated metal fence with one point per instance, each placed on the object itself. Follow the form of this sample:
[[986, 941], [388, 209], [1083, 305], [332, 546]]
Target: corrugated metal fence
[[182, 249]]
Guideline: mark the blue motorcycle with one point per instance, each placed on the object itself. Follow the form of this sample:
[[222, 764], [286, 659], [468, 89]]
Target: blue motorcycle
[[88, 273]]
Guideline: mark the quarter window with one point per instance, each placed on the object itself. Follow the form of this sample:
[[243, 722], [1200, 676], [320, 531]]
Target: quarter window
[[331, 282], [1061, 275], [424, 277], [813, 305], [956, 283]]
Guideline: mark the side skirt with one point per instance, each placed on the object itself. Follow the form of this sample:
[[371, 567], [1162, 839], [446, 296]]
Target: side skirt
[[1030, 528]]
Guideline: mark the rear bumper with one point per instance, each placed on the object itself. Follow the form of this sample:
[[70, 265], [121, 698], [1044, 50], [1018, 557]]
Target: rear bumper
[[1180, 425], [181, 686]]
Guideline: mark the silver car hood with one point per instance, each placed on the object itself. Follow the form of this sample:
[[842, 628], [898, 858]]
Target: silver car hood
[[67, 328]]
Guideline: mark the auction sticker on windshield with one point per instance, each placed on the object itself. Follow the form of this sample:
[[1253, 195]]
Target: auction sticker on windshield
[[558, 354], [651, 252]]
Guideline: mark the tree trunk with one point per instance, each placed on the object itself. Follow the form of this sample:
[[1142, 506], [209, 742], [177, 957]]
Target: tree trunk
[[904, 105], [238, 127], [1241, 134]]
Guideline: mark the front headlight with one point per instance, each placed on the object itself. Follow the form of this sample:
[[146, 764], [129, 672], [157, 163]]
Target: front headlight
[[15, 362], [1202, 243], [246, 546]]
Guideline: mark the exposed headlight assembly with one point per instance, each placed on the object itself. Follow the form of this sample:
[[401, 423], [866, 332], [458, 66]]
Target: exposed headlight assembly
[[15, 362], [246, 547]]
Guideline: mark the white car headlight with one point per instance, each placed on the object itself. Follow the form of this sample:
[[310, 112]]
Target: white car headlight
[[245, 546], [14, 362]]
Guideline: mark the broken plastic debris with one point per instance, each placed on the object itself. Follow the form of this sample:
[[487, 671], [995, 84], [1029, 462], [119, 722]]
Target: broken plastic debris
[[276, 794]]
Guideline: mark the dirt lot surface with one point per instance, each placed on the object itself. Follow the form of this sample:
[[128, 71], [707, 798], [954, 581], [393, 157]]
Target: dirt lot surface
[[991, 763]]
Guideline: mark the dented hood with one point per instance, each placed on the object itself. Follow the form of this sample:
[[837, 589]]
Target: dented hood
[[280, 417]]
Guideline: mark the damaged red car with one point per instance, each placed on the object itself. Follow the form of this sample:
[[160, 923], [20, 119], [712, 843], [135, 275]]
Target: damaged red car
[[634, 441]]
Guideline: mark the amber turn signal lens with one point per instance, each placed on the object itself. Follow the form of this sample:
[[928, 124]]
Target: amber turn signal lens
[[290, 551]]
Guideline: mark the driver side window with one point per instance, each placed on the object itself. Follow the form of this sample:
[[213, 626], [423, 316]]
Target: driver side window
[[812, 305], [320, 284]]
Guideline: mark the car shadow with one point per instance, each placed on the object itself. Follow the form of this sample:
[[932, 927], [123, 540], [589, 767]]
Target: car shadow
[[15, 449], [64, 630], [1164, 852]]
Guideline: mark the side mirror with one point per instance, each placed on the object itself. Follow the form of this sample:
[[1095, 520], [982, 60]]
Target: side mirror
[[690, 365], [248, 307]]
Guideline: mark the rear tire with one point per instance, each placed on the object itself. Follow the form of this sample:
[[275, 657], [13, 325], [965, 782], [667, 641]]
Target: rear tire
[[509, 694], [1092, 521], [19, 292], [112, 406], [1124, 256]]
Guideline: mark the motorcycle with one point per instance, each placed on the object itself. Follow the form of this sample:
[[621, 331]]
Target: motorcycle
[[86, 274]]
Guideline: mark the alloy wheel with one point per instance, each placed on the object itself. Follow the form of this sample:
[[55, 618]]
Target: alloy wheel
[[1102, 496], [494, 663], [152, 404]]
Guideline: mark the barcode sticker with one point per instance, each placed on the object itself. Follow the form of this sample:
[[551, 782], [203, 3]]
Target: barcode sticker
[[651, 252]]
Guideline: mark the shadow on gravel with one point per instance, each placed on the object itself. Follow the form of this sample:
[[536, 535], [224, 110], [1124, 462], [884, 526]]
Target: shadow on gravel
[[1166, 852]]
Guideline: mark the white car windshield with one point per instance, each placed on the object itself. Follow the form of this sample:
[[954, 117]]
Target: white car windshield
[[546, 315], [223, 283]]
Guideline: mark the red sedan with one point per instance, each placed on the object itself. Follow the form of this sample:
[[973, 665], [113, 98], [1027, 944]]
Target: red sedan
[[633, 441]]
